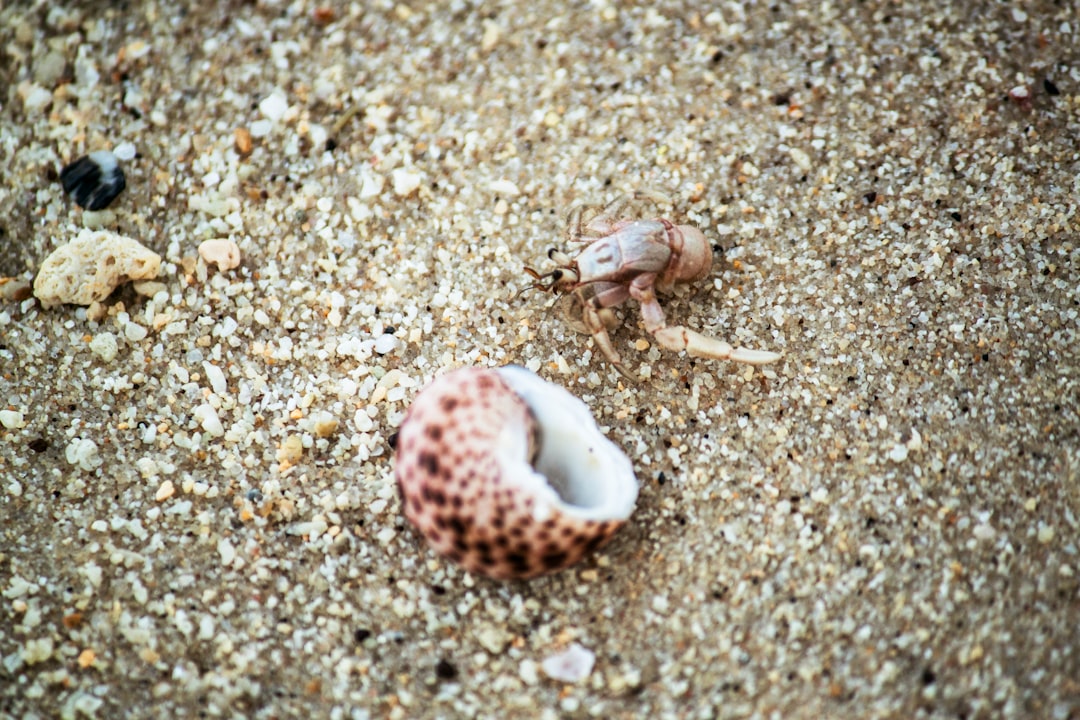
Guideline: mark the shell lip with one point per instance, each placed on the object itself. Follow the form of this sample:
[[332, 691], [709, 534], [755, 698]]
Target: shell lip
[[577, 470]]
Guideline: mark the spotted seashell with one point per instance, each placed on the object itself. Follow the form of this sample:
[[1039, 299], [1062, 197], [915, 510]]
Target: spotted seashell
[[508, 474]]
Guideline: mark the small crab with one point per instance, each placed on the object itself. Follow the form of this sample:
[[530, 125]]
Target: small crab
[[624, 259]]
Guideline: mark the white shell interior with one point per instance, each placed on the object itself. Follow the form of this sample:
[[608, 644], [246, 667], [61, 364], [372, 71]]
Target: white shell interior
[[578, 471]]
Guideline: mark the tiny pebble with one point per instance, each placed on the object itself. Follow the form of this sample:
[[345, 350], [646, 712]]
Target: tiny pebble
[[1046, 533], [11, 419], [216, 377], [242, 140], [93, 181], [898, 453], [504, 188], [570, 666], [274, 106], [385, 343], [104, 346], [800, 158], [405, 181], [261, 128], [125, 151], [221, 252], [35, 99], [165, 491], [135, 332], [527, 671]]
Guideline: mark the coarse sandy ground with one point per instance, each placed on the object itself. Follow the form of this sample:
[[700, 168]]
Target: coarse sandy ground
[[883, 524]]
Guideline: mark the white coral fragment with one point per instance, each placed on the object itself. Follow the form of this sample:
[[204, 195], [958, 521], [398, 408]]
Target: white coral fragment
[[91, 266]]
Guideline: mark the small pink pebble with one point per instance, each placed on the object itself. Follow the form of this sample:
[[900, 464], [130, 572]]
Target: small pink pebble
[[223, 253], [571, 665]]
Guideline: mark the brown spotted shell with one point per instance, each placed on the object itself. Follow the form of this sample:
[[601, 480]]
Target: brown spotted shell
[[508, 475]]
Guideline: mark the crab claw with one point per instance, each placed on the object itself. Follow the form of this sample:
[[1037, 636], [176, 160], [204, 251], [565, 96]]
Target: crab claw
[[694, 343]]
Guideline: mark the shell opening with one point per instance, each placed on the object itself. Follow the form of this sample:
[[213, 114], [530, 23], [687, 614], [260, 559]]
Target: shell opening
[[575, 466]]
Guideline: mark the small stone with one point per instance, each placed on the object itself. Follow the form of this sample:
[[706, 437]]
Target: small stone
[[84, 453], [493, 638], [226, 551], [1046, 534], [385, 343], [291, 449], [324, 425], [261, 128], [37, 650], [527, 671], [209, 420], [86, 658], [899, 453], [504, 188], [800, 158], [242, 141], [125, 151], [35, 98], [405, 181], [570, 666], [93, 181], [11, 419], [91, 266], [221, 252], [216, 377], [274, 106], [323, 15], [104, 346], [1020, 92], [135, 332], [15, 289], [149, 288], [50, 68], [165, 491], [491, 35]]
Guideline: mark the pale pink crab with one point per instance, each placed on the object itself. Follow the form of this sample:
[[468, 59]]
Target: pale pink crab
[[625, 259]]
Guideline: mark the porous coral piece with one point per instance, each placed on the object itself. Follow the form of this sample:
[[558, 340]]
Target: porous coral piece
[[91, 266]]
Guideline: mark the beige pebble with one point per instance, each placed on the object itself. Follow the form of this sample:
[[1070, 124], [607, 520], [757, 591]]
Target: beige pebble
[[149, 288], [14, 289], [242, 140], [90, 267], [290, 450], [165, 491], [325, 426], [223, 253], [86, 658]]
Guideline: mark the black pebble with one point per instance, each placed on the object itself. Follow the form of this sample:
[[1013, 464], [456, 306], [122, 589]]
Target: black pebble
[[445, 670], [93, 181]]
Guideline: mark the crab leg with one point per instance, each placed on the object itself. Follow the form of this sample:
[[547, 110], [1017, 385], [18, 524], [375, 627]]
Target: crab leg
[[679, 337], [595, 324]]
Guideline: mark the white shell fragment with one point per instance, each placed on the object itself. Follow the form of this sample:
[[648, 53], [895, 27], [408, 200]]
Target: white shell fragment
[[571, 665], [221, 252], [508, 474], [93, 181], [91, 266]]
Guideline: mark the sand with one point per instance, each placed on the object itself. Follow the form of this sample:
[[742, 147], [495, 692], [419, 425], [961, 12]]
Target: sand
[[198, 515]]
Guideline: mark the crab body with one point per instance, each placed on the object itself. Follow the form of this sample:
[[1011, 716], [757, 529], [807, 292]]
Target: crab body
[[624, 259]]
